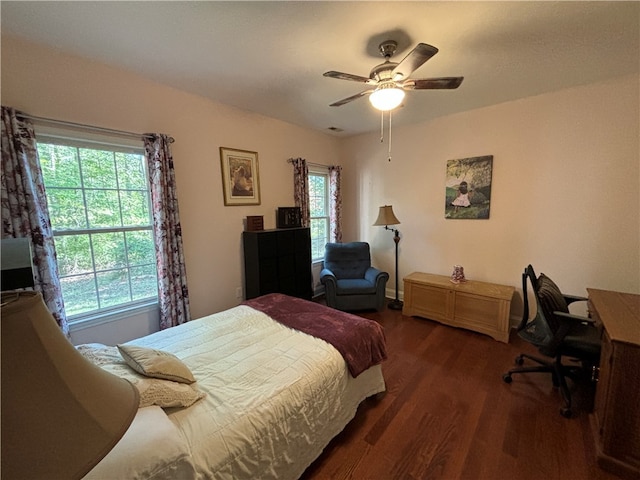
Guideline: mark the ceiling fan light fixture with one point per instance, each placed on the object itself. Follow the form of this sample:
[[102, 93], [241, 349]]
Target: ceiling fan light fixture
[[386, 97]]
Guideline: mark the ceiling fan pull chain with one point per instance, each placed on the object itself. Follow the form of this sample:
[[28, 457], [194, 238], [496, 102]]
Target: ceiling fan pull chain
[[381, 126], [390, 135]]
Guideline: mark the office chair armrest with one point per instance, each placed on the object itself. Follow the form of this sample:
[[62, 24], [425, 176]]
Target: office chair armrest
[[575, 318], [574, 298]]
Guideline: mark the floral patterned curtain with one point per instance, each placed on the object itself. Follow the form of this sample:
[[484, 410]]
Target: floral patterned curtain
[[301, 188], [173, 295], [335, 204], [24, 208]]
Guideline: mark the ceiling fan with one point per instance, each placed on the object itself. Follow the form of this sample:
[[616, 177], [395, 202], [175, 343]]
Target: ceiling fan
[[389, 80]]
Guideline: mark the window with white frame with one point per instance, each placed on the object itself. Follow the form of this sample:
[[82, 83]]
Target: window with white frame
[[99, 205], [319, 209]]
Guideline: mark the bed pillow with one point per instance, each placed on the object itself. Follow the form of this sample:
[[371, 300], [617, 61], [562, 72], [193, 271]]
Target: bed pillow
[[153, 391], [156, 363]]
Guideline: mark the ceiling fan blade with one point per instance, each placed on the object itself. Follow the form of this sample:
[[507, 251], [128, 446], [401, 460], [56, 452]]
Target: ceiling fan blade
[[351, 98], [433, 83], [414, 60], [347, 76]]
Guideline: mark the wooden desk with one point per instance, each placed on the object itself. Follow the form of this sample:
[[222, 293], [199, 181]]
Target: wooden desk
[[616, 416], [479, 306]]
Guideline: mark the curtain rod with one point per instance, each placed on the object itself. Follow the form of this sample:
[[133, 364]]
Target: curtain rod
[[309, 164], [86, 127]]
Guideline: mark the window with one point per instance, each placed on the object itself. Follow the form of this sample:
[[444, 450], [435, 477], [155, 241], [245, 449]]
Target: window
[[98, 197], [319, 209]]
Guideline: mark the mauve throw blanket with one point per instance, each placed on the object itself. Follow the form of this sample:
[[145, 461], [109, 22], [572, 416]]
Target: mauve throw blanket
[[360, 341]]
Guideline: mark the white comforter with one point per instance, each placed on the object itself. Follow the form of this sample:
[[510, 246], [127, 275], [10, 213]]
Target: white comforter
[[274, 396]]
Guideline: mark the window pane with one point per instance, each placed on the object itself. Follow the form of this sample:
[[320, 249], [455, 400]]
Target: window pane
[[103, 208], [59, 165], [135, 208], [108, 250], [319, 229], [317, 195], [74, 254], [141, 248], [66, 209], [131, 171], [98, 168], [79, 294], [144, 281], [113, 287]]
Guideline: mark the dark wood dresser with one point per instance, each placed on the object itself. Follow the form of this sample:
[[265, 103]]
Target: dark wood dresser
[[616, 416], [278, 261]]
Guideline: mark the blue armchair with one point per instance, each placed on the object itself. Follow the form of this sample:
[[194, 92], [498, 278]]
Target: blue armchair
[[350, 282]]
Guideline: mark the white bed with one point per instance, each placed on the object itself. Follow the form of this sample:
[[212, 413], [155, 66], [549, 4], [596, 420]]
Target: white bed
[[274, 398]]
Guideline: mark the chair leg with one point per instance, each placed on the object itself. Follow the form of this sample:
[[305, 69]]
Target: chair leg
[[543, 367], [564, 388]]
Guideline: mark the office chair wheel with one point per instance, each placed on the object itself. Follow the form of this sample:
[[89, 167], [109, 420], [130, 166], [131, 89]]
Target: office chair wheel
[[519, 360], [507, 378], [566, 412]]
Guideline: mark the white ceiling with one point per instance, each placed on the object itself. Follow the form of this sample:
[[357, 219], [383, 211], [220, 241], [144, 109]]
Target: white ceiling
[[269, 57]]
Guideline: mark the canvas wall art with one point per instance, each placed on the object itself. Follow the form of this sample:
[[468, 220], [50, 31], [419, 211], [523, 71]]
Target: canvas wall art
[[468, 188]]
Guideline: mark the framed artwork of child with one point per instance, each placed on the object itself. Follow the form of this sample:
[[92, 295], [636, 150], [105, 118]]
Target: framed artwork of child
[[468, 188]]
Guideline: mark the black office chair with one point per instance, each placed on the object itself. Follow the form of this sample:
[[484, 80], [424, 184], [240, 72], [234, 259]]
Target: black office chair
[[557, 334]]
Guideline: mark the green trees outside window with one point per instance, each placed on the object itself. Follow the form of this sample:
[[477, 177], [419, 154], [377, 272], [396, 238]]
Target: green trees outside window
[[318, 206], [99, 206]]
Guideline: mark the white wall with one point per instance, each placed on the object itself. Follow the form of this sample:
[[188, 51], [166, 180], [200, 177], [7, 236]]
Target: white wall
[[565, 190], [566, 177], [43, 82]]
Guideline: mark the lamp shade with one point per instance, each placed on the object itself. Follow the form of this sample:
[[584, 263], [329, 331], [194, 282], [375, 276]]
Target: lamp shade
[[386, 217], [386, 97], [60, 413]]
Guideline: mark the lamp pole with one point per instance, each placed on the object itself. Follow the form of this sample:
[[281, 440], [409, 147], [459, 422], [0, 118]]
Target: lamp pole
[[397, 303]]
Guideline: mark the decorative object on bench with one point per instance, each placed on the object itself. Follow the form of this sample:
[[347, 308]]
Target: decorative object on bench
[[458, 274], [350, 282], [385, 218], [556, 333]]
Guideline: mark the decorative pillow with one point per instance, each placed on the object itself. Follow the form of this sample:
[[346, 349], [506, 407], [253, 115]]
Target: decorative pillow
[[550, 296], [153, 391], [156, 363]]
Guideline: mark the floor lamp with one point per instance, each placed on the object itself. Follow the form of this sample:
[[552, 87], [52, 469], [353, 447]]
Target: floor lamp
[[386, 218]]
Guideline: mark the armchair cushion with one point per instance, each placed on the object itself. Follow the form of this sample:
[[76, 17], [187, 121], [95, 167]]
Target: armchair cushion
[[347, 260], [355, 286]]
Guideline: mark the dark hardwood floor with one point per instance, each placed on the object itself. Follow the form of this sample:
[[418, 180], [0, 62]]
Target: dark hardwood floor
[[447, 414]]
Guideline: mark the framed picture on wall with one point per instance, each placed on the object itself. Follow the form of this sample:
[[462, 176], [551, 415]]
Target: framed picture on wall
[[468, 188], [240, 180]]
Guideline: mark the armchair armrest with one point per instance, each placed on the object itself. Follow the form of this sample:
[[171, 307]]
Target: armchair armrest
[[327, 275], [374, 275]]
